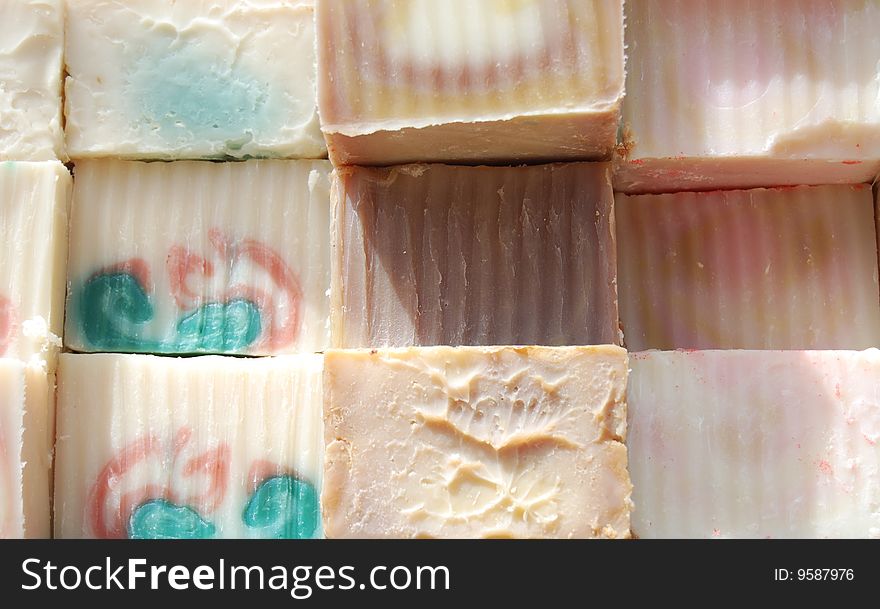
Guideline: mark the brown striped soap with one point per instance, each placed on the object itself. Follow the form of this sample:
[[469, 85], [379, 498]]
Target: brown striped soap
[[785, 268], [444, 255]]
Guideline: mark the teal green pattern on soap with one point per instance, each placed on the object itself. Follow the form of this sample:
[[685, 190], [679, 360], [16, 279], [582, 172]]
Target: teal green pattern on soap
[[284, 507], [219, 327], [161, 519]]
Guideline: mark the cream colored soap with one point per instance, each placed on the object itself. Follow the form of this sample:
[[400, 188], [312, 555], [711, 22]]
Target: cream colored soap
[[443, 255], [26, 432], [745, 94], [152, 79], [495, 80], [755, 444], [476, 442], [199, 257], [205, 447], [789, 268], [31, 46], [34, 201]]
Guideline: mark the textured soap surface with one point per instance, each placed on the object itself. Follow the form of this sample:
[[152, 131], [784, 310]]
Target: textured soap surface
[[476, 442], [31, 46], [26, 432], [469, 81], [436, 254], [34, 201], [194, 79], [205, 447], [790, 268], [743, 94], [200, 257], [755, 443]]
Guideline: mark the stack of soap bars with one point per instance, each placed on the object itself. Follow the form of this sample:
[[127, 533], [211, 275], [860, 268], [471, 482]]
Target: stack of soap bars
[[533, 268]]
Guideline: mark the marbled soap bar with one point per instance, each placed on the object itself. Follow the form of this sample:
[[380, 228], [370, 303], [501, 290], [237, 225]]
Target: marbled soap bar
[[31, 46], [206, 447], [464, 81], [26, 431], [436, 254], [788, 268], [476, 442], [152, 79], [745, 94], [34, 201], [755, 443], [200, 257]]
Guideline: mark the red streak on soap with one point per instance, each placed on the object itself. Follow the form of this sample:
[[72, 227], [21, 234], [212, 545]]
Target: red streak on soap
[[852, 162], [825, 467]]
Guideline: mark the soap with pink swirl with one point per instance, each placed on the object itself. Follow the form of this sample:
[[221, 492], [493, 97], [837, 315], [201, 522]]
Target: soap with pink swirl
[[195, 448], [779, 268], [463, 81], [476, 442], [746, 94], [754, 444], [26, 441], [34, 202], [200, 257]]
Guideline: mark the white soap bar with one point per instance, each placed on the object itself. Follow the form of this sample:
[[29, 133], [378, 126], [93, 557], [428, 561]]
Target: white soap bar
[[34, 201], [744, 94], [205, 447], [755, 443], [787, 268], [151, 79], [460, 80], [200, 257], [31, 46], [26, 432], [440, 255], [476, 442]]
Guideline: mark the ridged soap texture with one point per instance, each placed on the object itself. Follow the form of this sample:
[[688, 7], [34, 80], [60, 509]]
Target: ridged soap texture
[[436, 254], [790, 268]]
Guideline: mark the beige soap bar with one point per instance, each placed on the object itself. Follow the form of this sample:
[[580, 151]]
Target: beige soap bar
[[26, 432], [745, 94], [204, 447], [786, 268], [34, 201], [31, 47], [476, 442], [464, 81], [443, 255], [199, 257], [755, 444], [193, 79]]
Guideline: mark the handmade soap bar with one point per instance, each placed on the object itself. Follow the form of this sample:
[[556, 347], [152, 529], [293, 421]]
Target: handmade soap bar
[[159, 447], [435, 254], [34, 200], [744, 94], [26, 430], [31, 45], [496, 80], [476, 442], [755, 443], [790, 268], [199, 257], [152, 79]]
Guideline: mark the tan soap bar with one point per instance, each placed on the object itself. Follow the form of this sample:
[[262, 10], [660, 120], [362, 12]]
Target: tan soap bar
[[200, 257], [784, 268], [31, 48], [194, 79], [34, 201], [476, 442], [205, 447], [464, 81], [755, 444], [444, 255], [26, 432], [746, 94]]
